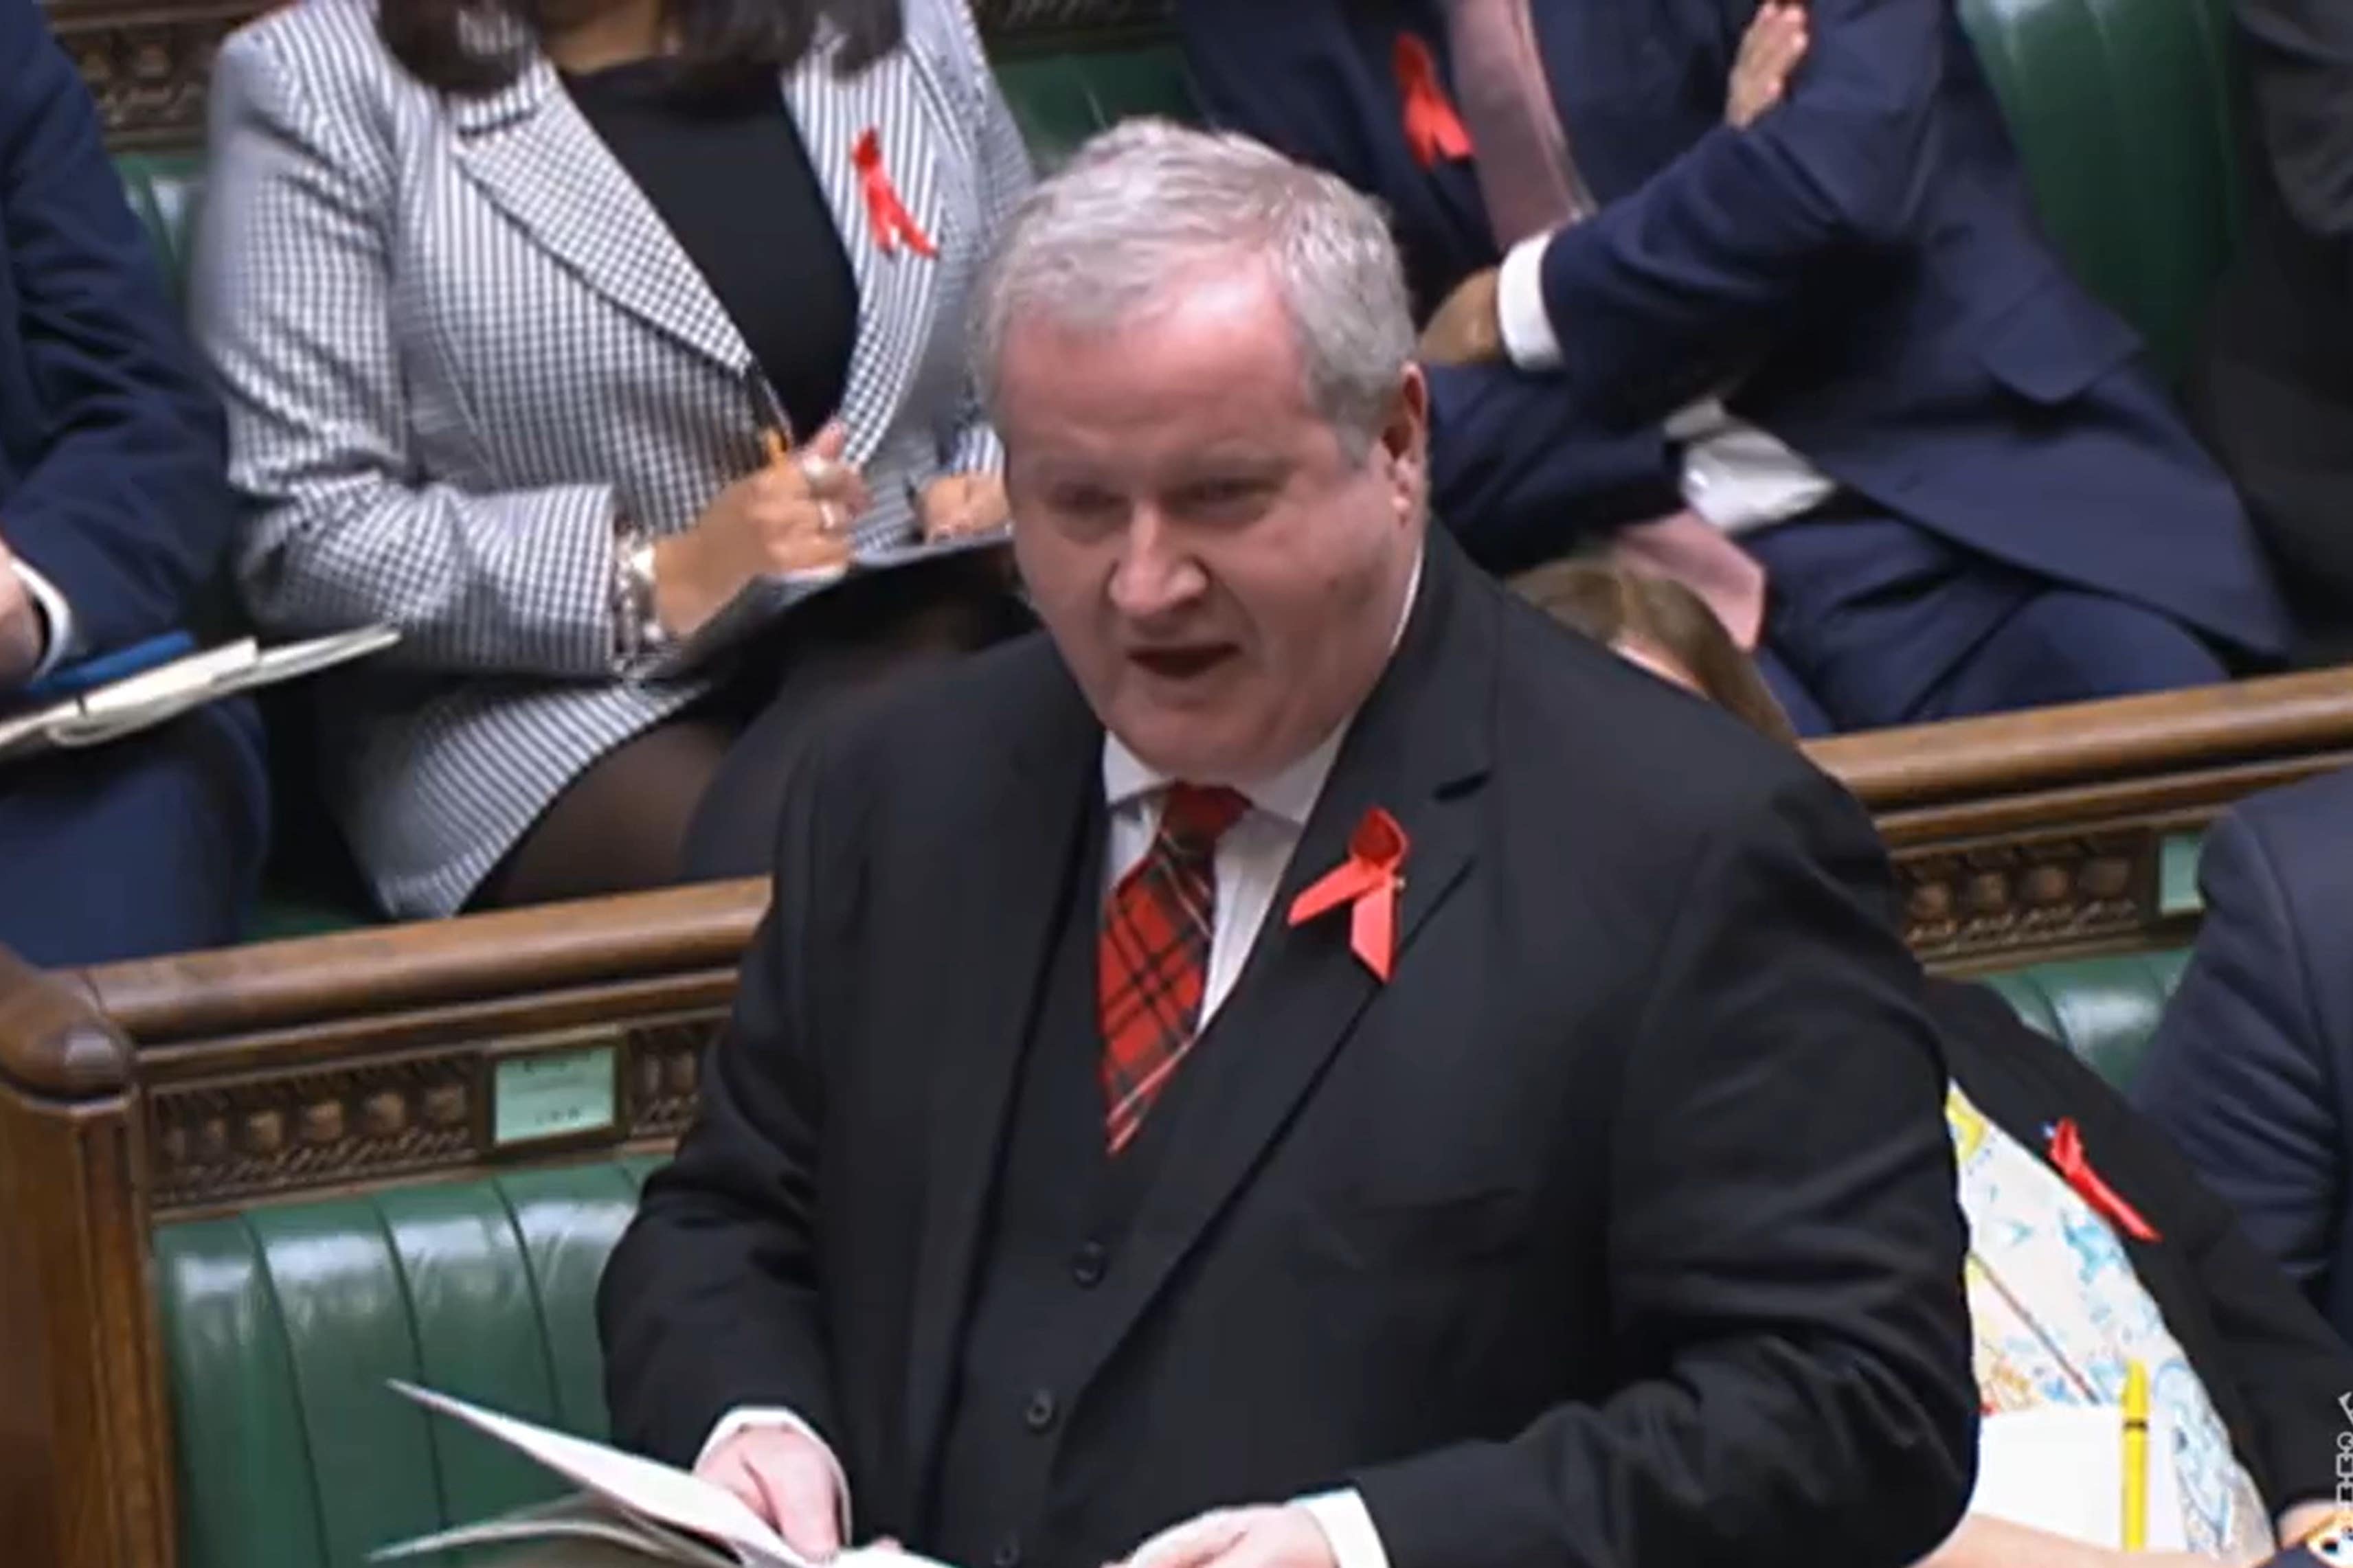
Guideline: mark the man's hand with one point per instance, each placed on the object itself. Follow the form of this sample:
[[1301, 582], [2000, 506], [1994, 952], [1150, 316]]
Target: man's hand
[[1285, 1537], [1468, 329], [787, 1478], [1770, 54], [954, 505], [21, 631]]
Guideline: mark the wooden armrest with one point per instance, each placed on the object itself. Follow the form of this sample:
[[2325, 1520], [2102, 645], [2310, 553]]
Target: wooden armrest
[[312, 983], [2209, 728], [54, 1042]]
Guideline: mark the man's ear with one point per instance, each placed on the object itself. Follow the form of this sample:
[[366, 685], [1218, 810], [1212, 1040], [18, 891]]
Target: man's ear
[[1405, 437]]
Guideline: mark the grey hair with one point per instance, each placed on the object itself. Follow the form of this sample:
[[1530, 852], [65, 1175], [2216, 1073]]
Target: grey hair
[[1118, 228]]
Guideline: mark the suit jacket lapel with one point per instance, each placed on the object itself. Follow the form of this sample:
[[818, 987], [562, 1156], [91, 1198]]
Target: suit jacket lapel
[[1419, 749], [1001, 904], [539, 159], [896, 98]]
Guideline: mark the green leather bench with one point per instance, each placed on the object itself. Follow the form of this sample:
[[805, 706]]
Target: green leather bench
[[281, 1324], [2126, 125]]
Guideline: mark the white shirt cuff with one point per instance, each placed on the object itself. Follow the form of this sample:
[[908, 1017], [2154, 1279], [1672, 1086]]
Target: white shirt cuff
[[1520, 310], [742, 1420], [1347, 1526], [57, 616]]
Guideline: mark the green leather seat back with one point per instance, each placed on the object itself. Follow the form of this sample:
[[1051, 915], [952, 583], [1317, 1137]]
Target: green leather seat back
[[280, 1326], [2103, 1009], [1061, 100], [2124, 112]]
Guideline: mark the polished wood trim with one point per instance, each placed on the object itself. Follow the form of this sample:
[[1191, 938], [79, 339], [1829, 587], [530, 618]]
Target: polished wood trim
[[55, 1041], [312, 983], [2303, 721], [87, 1475]]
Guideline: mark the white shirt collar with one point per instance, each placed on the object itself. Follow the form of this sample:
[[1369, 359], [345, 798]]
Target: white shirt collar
[[1289, 793]]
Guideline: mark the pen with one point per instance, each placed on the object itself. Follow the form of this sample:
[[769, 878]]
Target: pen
[[2135, 1436]]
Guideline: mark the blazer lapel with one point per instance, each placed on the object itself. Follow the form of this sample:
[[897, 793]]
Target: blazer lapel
[[895, 98], [1419, 749], [537, 158], [1004, 903]]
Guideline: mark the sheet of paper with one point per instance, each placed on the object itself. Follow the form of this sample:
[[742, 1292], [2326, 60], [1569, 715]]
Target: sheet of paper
[[2062, 1469], [653, 1490]]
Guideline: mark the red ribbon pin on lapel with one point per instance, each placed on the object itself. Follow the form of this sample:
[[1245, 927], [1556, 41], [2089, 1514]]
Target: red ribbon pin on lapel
[[886, 214], [2068, 1158], [1369, 879], [1432, 129]]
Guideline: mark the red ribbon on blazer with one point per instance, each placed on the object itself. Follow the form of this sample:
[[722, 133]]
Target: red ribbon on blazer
[[1369, 880], [2068, 1157], [885, 212], [1432, 129]]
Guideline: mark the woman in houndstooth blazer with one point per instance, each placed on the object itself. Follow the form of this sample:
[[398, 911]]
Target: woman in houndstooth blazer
[[505, 298]]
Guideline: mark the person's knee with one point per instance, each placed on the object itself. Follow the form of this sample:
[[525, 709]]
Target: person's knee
[[2070, 645]]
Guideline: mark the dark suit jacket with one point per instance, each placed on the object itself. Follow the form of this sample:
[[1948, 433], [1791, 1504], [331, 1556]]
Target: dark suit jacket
[[1617, 1227], [2251, 1070], [1866, 255], [2272, 390], [2272, 1367], [111, 447]]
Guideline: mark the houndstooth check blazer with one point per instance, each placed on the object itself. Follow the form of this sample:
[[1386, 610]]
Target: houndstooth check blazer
[[457, 342]]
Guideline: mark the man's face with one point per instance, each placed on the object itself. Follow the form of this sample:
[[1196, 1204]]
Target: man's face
[[1224, 582]]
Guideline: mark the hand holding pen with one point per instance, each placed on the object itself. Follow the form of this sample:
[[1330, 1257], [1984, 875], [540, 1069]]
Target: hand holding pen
[[794, 515]]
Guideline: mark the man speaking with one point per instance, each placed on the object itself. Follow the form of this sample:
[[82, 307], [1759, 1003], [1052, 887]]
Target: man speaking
[[1304, 1064]]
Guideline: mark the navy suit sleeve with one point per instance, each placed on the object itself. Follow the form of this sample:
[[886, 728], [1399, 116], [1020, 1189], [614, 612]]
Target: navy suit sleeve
[[2237, 1073], [1519, 469], [1520, 465], [1695, 267], [125, 507]]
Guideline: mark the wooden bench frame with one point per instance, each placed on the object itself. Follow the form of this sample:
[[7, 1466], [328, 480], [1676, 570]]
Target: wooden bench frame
[[141, 1093]]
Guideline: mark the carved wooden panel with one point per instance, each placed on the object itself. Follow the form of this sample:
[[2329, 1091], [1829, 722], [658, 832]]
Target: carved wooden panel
[[270, 1134], [148, 65], [2038, 895]]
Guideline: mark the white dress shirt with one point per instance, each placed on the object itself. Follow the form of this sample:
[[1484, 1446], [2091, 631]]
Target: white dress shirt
[[56, 619], [1249, 864], [1738, 477]]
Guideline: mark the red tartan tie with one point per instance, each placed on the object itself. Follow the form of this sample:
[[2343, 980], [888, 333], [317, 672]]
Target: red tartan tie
[[1153, 962]]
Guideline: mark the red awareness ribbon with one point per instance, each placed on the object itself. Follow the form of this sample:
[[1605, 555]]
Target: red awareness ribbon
[[1369, 880], [1432, 129], [2068, 1157], [885, 212]]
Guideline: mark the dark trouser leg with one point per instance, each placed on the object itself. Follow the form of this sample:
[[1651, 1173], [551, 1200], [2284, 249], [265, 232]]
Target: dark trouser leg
[[844, 650], [1886, 623], [2063, 644], [149, 846], [1806, 714]]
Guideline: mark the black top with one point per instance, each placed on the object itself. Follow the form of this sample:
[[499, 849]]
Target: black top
[[729, 174]]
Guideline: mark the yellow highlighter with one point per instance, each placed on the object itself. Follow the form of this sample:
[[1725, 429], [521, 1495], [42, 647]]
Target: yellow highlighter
[[2135, 1468]]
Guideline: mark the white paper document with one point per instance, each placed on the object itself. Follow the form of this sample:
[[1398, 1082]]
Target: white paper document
[[662, 1515], [157, 696], [2061, 1470]]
